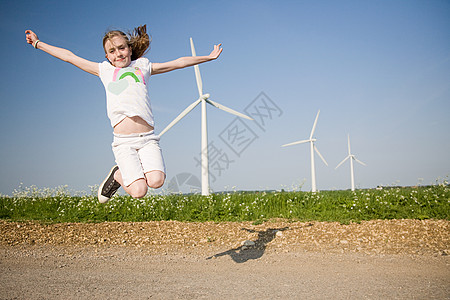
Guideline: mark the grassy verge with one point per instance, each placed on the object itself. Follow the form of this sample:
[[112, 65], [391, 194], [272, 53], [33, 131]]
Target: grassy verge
[[431, 202]]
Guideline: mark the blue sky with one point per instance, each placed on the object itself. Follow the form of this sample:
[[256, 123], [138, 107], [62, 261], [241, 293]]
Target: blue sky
[[377, 70]]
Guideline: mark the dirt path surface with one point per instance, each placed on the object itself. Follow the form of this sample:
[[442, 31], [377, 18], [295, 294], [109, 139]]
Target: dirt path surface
[[396, 259]]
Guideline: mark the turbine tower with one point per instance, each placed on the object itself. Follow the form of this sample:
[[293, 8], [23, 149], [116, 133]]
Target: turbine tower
[[351, 157], [313, 148], [203, 99]]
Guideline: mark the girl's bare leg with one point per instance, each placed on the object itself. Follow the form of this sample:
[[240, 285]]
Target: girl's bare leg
[[155, 179], [137, 189]]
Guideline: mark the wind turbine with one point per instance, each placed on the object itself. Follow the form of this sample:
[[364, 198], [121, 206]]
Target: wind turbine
[[313, 148], [352, 157], [203, 99]]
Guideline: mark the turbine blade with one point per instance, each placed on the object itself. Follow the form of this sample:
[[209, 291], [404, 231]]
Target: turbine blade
[[296, 143], [198, 77], [227, 109], [348, 138], [360, 161], [341, 162], [320, 155], [314, 126], [181, 116]]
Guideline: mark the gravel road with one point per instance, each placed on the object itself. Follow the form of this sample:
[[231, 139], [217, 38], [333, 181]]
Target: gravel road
[[395, 259]]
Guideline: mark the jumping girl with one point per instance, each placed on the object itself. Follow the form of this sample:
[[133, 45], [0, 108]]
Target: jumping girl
[[125, 75]]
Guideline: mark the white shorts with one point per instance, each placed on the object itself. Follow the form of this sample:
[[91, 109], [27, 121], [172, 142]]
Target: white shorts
[[137, 154]]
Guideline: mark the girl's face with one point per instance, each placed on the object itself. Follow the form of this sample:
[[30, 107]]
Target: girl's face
[[117, 52]]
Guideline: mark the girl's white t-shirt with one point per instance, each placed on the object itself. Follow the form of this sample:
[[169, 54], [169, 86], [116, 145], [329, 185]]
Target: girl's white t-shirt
[[126, 90]]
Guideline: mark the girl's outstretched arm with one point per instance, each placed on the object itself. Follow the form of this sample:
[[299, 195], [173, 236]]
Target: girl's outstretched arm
[[183, 62], [63, 54]]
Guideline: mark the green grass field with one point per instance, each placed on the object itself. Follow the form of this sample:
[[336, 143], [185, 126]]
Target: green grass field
[[431, 202]]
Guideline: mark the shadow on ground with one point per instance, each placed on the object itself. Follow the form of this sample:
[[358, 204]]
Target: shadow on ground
[[244, 253]]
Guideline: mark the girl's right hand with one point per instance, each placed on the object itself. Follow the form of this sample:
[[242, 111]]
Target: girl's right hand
[[63, 54], [31, 37]]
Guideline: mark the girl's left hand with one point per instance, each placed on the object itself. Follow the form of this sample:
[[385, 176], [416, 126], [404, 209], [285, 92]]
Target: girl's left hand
[[216, 52]]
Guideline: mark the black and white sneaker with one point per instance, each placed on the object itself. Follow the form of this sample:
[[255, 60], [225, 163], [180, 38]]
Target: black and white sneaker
[[108, 187]]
